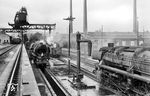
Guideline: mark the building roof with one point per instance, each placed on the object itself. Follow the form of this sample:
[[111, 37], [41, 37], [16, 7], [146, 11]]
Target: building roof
[[3, 33]]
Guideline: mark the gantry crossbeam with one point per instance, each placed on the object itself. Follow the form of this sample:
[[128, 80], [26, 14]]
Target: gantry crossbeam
[[28, 27]]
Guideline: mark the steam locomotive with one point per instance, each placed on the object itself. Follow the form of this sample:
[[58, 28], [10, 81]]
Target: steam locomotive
[[41, 52], [126, 70]]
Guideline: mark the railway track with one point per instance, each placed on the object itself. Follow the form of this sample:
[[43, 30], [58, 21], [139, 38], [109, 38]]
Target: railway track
[[5, 55], [12, 84], [48, 86], [83, 70], [5, 50], [90, 63], [73, 55], [89, 74], [55, 83]]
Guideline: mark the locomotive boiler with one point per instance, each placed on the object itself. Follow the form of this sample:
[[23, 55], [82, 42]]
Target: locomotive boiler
[[125, 70], [39, 54]]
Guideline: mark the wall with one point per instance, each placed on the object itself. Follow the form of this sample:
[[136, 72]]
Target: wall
[[100, 39], [4, 38]]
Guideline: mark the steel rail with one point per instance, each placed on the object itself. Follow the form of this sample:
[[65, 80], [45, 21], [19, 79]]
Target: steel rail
[[90, 75], [58, 84], [6, 49], [85, 71], [8, 90], [47, 83], [89, 62]]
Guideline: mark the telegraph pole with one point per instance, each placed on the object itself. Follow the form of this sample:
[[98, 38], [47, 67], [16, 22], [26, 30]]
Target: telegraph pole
[[70, 19]]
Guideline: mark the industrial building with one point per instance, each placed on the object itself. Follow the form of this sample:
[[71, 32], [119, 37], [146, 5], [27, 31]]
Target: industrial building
[[101, 39], [4, 38]]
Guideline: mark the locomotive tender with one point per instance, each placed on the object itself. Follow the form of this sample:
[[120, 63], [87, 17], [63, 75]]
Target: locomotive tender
[[125, 69]]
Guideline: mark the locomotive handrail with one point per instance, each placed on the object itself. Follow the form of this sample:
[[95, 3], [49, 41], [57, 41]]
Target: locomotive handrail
[[142, 60]]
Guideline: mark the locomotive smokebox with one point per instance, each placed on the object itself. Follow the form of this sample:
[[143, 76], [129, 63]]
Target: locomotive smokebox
[[41, 50]]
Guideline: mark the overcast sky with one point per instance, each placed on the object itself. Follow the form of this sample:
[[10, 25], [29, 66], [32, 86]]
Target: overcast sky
[[114, 15]]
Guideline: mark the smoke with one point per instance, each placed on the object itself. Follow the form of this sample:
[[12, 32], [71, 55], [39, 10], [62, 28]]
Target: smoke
[[50, 37], [41, 41]]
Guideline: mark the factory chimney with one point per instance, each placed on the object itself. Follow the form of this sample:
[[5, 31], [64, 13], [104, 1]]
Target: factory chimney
[[85, 18], [135, 21], [71, 21]]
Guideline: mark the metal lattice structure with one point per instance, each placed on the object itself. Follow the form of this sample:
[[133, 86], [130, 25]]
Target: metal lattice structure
[[21, 24], [36, 26], [29, 27]]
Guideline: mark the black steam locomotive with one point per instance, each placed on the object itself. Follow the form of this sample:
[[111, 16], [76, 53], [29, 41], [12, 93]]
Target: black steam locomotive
[[41, 52], [125, 70]]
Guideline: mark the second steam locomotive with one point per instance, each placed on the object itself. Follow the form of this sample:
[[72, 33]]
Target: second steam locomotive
[[125, 69]]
